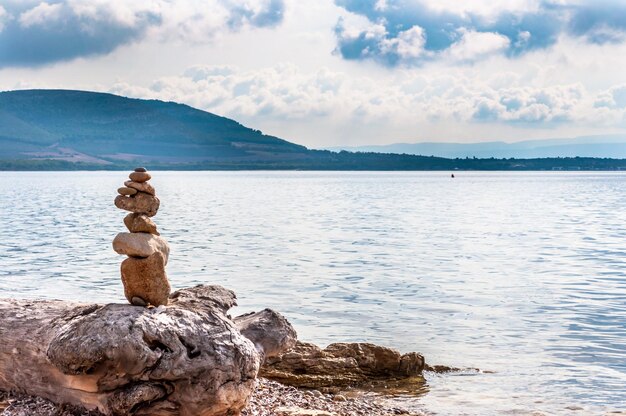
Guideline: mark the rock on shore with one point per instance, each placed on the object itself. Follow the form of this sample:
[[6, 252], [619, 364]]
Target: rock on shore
[[341, 364]]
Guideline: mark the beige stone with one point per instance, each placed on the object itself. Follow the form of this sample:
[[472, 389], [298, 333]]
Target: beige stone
[[146, 279], [139, 176], [140, 223], [141, 187], [140, 203], [141, 245], [126, 191]]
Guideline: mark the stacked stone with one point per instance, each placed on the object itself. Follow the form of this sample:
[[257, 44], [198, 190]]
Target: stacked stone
[[143, 272]]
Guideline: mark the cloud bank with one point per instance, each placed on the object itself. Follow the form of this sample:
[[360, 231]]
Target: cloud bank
[[412, 32], [284, 93], [39, 32]]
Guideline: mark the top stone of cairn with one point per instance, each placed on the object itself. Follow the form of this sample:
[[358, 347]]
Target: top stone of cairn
[[139, 176]]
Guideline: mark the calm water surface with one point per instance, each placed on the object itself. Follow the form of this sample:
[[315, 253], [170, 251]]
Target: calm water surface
[[519, 274]]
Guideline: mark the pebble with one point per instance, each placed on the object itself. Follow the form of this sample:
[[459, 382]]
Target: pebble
[[139, 176], [140, 170], [137, 301], [126, 191], [272, 398]]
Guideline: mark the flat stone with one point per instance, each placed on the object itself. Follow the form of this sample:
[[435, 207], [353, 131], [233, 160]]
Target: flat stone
[[140, 170], [146, 279], [126, 191], [140, 176], [140, 223], [141, 187], [342, 364], [140, 203], [141, 245]]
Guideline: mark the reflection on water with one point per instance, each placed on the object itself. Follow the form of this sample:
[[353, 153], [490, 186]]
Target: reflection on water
[[519, 274]]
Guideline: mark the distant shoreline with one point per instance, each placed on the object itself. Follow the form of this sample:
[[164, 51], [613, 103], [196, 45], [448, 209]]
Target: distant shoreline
[[343, 161]]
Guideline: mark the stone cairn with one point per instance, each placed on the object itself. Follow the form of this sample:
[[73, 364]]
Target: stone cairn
[[143, 272]]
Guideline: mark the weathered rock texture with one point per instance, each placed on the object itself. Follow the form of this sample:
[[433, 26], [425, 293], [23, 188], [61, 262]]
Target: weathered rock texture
[[341, 365], [186, 359]]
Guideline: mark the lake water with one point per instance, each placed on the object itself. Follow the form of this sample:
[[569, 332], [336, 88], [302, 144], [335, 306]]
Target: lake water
[[519, 274]]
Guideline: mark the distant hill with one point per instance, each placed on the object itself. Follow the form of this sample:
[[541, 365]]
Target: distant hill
[[105, 128], [611, 146], [70, 130]]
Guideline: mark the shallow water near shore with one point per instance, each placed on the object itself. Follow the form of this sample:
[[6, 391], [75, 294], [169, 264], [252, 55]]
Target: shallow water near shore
[[519, 274]]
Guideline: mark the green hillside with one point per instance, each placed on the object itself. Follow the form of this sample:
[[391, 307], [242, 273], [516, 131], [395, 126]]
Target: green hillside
[[36, 123]]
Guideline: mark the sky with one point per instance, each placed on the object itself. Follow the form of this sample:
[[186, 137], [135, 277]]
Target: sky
[[326, 73]]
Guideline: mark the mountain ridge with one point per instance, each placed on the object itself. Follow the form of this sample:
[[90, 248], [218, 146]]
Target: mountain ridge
[[613, 146]]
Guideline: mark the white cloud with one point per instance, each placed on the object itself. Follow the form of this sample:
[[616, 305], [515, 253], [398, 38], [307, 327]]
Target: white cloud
[[66, 29], [486, 8], [614, 97], [123, 13], [286, 94], [4, 16], [515, 27], [409, 44], [381, 5], [475, 46], [41, 14]]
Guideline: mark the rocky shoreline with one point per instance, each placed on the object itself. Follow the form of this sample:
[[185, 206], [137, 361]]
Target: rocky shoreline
[[179, 353], [270, 398]]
